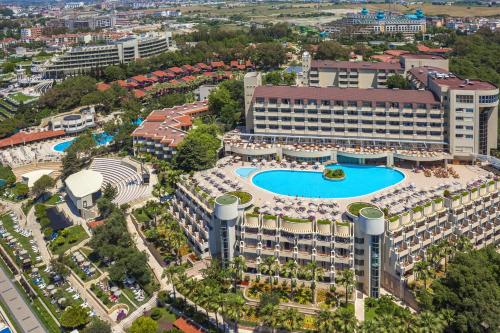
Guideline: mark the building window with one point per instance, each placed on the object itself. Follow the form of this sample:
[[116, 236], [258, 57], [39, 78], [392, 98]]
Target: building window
[[465, 99], [488, 99], [325, 102], [297, 102]]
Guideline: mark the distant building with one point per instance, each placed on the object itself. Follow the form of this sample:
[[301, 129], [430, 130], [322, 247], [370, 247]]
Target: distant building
[[83, 59], [73, 5], [380, 22]]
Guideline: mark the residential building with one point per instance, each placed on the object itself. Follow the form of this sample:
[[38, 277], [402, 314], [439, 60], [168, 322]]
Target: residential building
[[122, 51], [163, 130]]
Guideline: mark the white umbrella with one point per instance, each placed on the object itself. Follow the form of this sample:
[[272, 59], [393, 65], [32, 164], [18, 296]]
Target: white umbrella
[[50, 287], [304, 163], [114, 289], [254, 160]]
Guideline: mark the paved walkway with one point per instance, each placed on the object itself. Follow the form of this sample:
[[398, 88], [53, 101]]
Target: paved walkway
[[17, 306], [359, 305]]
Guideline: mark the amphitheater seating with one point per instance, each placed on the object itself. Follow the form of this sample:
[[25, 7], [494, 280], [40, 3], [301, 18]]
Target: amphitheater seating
[[127, 181]]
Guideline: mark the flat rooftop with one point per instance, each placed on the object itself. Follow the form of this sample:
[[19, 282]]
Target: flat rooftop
[[446, 78], [346, 94], [368, 65]]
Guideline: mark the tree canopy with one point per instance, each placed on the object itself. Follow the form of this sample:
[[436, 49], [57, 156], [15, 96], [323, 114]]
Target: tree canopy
[[144, 325], [397, 81], [42, 185], [198, 150], [74, 316]]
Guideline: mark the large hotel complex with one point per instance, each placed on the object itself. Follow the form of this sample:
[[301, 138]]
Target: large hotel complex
[[84, 58], [343, 112]]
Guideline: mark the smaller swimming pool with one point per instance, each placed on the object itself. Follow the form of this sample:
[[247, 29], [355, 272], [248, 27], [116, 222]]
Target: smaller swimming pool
[[101, 139], [244, 172]]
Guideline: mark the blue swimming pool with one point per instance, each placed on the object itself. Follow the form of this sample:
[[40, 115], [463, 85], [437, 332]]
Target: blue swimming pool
[[359, 180], [244, 172], [101, 139]]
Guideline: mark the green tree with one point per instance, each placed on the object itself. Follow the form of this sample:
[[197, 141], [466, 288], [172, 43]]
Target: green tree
[[74, 316], [97, 326], [114, 73], [144, 325], [42, 185], [397, 81], [346, 279], [331, 50], [234, 308], [269, 55], [345, 321], [313, 273], [20, 190], [423, 271], [428, 322], [292, 319], [109, 192], [471, 289], [198, 150], [325, 321], [268, 309]]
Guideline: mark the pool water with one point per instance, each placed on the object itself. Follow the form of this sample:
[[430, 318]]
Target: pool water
[[244, 172], [359, 181], [101, 139]]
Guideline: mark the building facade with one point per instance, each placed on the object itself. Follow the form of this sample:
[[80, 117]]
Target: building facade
[[83, 59]]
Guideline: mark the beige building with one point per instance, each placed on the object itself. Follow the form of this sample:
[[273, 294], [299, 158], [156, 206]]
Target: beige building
[[82, 59]]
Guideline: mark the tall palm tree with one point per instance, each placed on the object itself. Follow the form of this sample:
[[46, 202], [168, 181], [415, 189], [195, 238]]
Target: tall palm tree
[[367, 326], [428, 322], [325, 321], [448, 250], [463, 244], [435, 255], [290, 270], [292, 319], [272, 317], [237, 267], [386, 323], [313, 273], [270, 267], [346, 279], [345, 321], [172, 273], [422, 271], [234, 308]]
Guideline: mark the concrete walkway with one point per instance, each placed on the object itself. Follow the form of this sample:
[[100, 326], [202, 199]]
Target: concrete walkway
[[359, 305], [17, 306]]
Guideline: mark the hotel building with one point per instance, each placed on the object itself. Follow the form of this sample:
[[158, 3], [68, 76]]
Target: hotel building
[[365, 23], [381, 250], [163, 130], [83, 59]]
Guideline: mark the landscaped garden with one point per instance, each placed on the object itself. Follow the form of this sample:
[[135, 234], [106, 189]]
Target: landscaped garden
[[333, 174], [244, 197], [67, 238], [355, 207]]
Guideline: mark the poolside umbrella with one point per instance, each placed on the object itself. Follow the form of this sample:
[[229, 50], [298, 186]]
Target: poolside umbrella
[[237, 157], [34, 270], [86, 263], [117, 293], [53, 292], [304, 163], [92, 269], [114, 289], [254, 160], [263, 160], [317, 163], [61, 300], [262, 210], [50, 287], [313, 204]]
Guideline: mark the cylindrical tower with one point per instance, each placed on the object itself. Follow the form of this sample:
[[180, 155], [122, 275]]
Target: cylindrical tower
[[222, 234]]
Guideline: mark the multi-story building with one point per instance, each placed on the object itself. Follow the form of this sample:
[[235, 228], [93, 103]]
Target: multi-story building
[[122, 51], [365, 23], [163, 130], [362, 74], [382, 250], [471, 108], [91, 22]]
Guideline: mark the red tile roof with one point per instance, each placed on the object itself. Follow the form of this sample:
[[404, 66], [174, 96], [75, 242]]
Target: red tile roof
[[140, 78], [345, 94], [94, 224], [384, 58], [101, 86], [421, 56], [161, 74], [176, 70], [23, 137], [423, 48], [185, 326], [203, 66], [167, 126], [217, 64], [396, 53], [188, 78], [355, 65], [139, 93]]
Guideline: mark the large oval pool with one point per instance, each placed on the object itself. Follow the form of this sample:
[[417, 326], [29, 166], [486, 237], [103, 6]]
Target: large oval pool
[[101, 139], [359, 180]]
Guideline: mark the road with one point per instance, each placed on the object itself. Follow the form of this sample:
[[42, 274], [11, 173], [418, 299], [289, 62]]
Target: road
[[20, 310]]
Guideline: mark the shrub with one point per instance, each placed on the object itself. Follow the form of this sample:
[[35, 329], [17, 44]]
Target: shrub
[[156, 314], [334, 173]]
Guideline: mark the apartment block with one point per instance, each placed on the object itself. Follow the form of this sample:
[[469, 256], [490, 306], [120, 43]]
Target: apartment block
[[83, 59]]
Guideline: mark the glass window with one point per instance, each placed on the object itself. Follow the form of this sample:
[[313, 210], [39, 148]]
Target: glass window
[[465, 98]]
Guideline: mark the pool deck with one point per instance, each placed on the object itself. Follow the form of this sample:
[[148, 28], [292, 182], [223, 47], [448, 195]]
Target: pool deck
[[467, 173]]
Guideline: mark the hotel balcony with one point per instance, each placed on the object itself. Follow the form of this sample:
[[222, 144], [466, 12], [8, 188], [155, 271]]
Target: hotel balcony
[[402, 250], [342, 259]]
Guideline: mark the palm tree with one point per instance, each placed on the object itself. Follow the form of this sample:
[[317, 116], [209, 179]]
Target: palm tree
[[385, 323], [435, 255], [272, 317], [346, 279], [210, 300], [345, 321], [313, 272], [237, 267], [448, 250], [270, 266], [368, 326], [422, 271], [325, 321], [428, 322], [172, 273], [292, 319], [234, 308], [290, 270], [463, 244]]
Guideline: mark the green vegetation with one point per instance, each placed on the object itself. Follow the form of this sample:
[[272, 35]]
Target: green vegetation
[[417, 209], [68, 238], [279, 77], [324, 222], [398, 81], [21, 98], [394, 218], [334, 174], [355, 207], [198, 150], [43, 184], [438, 200], [269, 217], [226, 103], [74, 316], [295, 220], [244, 197]]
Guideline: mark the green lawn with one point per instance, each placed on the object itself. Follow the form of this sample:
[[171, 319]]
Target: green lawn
[[53, 200], [355, 207], [141, 216], [21, 98], [68, 238]]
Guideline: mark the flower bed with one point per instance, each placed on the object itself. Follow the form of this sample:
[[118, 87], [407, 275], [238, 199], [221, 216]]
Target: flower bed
[[244, 197], [333, 174]]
